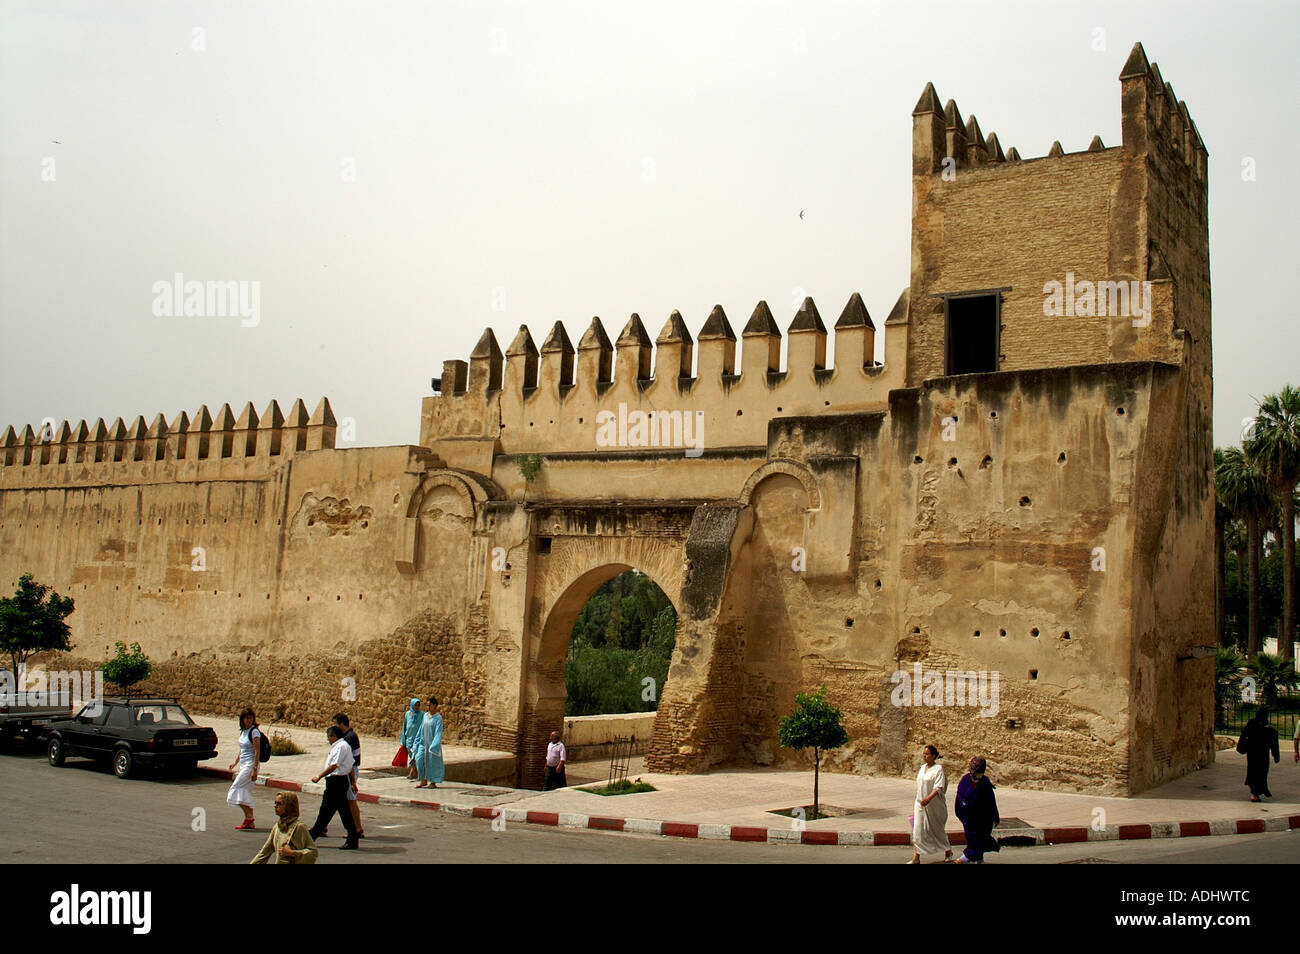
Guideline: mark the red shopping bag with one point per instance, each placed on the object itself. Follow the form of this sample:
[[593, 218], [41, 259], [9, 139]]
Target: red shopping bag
[[399, 760]]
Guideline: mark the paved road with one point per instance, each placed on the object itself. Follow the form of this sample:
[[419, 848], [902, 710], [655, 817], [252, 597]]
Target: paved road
[[83, 814]]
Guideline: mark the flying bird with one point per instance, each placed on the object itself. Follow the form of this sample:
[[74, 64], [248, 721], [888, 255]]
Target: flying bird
[[801, 213]]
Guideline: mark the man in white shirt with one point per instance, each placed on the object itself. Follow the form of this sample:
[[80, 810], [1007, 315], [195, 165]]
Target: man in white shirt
[[338, 778], [555, 759]]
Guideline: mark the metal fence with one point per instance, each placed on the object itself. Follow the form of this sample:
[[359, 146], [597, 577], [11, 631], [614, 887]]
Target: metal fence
[[1283, 715]]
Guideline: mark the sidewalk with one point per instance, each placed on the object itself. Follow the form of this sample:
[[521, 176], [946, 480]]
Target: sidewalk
[[736, 803]]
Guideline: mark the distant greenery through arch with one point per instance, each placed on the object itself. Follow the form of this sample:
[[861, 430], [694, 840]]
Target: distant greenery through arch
[[622, 637]]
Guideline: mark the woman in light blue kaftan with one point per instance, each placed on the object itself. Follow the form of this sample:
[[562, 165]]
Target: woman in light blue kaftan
[[429, 763], [411, 734]]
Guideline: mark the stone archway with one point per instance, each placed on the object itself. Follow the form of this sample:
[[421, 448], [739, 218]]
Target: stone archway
[[562, 590]]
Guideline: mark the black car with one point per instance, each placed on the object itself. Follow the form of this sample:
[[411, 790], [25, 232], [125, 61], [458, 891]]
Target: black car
[[131, 733]]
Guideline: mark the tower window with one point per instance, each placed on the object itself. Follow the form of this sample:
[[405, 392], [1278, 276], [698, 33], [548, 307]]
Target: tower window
[[972, 338]]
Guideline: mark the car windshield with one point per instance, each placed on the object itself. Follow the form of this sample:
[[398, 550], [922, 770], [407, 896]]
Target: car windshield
[[161, 714]]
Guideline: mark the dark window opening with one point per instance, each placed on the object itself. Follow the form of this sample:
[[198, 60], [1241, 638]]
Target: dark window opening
[[972, 324], [543, 545]]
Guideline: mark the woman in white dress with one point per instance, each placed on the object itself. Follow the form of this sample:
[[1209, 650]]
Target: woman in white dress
[[241, 790], [931, 811]]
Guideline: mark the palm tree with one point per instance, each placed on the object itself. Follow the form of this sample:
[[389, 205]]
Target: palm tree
[[1234, 538], [1246, 490], [1276, 446], [1222, 514], [1273, 674], [1227, 681]]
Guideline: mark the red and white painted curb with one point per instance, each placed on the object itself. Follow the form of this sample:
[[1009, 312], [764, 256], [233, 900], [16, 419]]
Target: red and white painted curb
[[795, 836]]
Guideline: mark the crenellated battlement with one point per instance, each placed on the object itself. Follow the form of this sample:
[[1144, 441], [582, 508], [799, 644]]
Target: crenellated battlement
[[1156, 119], [944, 142], [53, 453], [550, 400]]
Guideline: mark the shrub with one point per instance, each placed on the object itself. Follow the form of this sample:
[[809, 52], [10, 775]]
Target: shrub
[[125, 669], [282, 743]]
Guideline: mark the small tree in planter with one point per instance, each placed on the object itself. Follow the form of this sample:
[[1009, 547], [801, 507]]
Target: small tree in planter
[[814, 724], [125, 669]]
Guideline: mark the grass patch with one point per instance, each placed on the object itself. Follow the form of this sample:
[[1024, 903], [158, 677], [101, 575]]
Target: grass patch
[[282, 743], [623, 787]]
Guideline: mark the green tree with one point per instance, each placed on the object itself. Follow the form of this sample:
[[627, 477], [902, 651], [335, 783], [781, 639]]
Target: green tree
[[125, 669], [1275, 444], [1227, 680], [33, 621], [1245, 490], [1222, 516], [1272, 673], [624, 635], [1234, 538], [814, 724]]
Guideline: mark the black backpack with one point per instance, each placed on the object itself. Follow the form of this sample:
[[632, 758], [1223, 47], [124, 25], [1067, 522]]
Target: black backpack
[[264, 748]]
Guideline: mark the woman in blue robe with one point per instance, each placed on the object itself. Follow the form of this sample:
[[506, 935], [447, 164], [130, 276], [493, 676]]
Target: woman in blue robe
[[411, 734], [977, 808], [429, 762]]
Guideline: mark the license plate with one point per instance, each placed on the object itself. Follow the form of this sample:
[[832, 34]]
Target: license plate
[[187, 741], [41, 721]]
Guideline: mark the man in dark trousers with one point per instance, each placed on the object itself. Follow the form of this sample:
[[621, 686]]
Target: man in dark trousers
[[555, 759], [350, 736], [1258, 741], [337, 775]]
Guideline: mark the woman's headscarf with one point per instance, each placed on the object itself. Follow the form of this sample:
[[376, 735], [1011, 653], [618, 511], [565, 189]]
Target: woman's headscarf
[[290, 801], [411, 725]]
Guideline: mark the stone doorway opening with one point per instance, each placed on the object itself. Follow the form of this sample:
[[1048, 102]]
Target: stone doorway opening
[[605, 650]]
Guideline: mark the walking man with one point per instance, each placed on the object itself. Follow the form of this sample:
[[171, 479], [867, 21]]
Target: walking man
[[350, 736], [555, 759], [338, 769]]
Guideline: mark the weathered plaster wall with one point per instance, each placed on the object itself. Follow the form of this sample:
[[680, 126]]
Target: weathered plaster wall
[[265, 581]]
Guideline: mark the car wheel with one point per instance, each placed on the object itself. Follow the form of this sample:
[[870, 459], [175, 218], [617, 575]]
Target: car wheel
[[56, 751], [123, 763]]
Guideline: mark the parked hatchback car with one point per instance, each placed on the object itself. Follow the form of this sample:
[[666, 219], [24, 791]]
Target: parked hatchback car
[[130, 734]]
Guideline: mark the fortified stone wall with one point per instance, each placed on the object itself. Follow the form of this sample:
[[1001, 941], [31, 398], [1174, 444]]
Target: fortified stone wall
[[1045, 521], [261, 578]]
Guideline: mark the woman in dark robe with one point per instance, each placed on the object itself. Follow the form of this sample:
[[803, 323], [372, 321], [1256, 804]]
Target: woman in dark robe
[[977, 808], [1258, 741]]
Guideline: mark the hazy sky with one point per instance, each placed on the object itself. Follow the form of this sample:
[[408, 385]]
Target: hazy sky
[[398, 176]]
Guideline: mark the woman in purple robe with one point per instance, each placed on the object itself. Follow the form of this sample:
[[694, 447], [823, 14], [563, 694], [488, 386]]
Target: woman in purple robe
[[978, 810]]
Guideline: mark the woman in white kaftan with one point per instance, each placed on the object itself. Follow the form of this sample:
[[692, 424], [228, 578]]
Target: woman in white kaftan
[[930, 812]]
